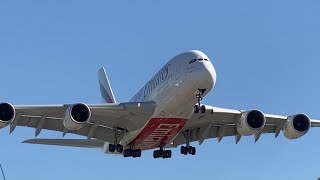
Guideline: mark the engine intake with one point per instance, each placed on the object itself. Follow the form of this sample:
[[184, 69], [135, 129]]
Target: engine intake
[[251, 122], [77, 116], [297, 126], [7, 114]]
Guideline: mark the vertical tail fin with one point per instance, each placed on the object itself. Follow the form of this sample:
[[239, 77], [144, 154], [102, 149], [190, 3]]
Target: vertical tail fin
[[105, 88]]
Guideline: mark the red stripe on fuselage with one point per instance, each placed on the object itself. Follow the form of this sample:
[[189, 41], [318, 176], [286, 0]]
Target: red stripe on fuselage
[[158, 131]]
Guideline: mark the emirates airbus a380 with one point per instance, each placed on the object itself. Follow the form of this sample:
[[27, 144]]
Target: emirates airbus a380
[[166, 113]]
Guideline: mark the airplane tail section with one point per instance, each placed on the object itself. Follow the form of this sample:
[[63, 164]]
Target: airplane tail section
[[105, 88]]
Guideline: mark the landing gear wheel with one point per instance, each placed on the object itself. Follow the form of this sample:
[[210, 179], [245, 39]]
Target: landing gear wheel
[[127, 153], [196, 109], [192, 150], [136, 153], [162, 153], [184, 150], [203, 109], [188, 150], [166, 154], [119, 148], [112, 148], [157, 154], [132, 153]]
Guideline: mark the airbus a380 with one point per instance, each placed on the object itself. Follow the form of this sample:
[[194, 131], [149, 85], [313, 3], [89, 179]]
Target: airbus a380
[[167, 112]]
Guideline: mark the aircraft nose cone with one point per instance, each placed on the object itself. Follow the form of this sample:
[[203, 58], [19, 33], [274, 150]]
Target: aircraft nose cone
[[209, 75], [205, 73], [198, 54]]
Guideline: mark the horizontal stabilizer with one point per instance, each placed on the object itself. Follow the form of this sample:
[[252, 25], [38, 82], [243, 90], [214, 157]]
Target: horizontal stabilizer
[[67, 142]]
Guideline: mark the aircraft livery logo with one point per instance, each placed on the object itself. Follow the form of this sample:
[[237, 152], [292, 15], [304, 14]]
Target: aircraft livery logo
[[158, 79]]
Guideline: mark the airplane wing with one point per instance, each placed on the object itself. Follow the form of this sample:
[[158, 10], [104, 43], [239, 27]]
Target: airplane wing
[[104, 118], [92, 143], [220, 122]]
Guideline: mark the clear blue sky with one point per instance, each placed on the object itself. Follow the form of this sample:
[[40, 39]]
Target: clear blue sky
[[266, 54]]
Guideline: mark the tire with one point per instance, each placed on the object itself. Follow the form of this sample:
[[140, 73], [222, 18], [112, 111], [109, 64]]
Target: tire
[[157, 154], [125, 153], [192, 150], [169, 153], [203, 109], [164, 154], [130, 152], [184, 150], [134, 154], [119, 148], [196, 109], [112, 148], [181, 149], [138, 152]]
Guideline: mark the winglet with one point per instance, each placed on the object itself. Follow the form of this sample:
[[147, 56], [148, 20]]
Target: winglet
[[105, 88]]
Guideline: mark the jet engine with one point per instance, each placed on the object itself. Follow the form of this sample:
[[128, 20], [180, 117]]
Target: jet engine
[[76, 116], [251, 122], [297, 126], [7, 114]]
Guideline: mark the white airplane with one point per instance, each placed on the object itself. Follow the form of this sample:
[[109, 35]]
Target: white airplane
[[166, 113]]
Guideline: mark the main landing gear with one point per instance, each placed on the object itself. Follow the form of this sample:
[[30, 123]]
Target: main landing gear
[[116, 146], [198, 107], [188, 149], [162, 153], [131, 152]]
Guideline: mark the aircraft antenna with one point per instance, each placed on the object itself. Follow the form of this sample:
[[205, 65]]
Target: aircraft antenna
[[4, 177]]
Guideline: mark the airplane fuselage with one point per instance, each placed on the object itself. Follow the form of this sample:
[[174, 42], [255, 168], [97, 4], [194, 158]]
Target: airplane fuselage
[[174, 89]]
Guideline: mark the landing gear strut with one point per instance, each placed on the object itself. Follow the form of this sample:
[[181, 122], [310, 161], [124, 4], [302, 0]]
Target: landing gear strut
[[198, 107], [162, 153], [116, 146], [188, 149]]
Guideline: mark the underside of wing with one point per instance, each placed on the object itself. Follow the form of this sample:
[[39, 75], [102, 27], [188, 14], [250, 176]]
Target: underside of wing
[[220, 122], [92, 121]]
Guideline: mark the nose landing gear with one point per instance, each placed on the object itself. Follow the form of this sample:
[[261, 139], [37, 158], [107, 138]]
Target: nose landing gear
[[198, 107]]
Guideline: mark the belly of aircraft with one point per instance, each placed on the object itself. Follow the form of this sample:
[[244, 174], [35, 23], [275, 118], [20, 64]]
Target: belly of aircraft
[[158, 131]]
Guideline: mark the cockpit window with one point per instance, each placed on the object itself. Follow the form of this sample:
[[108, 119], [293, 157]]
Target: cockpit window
[[200, 59], [192, 61]]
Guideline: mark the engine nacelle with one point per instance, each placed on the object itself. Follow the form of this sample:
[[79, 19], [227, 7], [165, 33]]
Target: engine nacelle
[[76, 116], [251, 122], [7, 114], [297, 126]]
